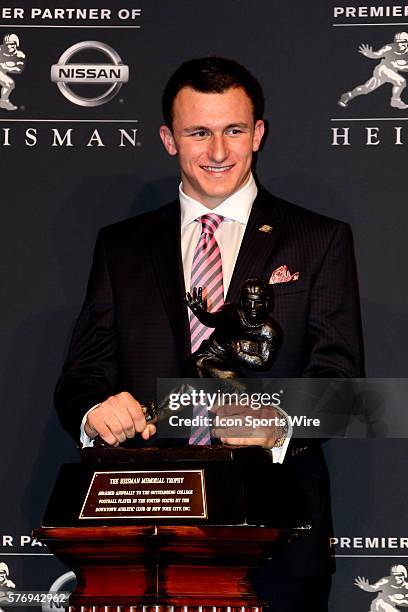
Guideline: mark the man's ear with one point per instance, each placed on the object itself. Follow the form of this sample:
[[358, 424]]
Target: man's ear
[[168, 140], [259, 131]]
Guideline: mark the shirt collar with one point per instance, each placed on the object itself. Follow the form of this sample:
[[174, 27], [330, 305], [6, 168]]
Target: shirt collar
[[236, 207]]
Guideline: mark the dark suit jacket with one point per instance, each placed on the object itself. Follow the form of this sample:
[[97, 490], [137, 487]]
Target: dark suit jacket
[[133, 327]]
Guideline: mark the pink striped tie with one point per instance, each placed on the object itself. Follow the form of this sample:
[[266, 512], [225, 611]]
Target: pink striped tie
[[206, 272]]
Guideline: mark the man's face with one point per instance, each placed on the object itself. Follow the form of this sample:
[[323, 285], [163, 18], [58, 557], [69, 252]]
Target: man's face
[[255, 305], [214, 136], [403, 45], [3, 577]]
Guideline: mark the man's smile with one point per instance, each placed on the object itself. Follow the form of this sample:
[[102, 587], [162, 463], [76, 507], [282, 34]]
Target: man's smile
[[217, 169]]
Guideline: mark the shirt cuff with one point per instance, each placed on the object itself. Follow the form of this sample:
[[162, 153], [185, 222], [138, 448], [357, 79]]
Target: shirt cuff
[[279, 452], [86, 441]]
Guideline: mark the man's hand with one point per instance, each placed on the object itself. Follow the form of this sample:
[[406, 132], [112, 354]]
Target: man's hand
[[118, 418], [196, 302], [243, 426]]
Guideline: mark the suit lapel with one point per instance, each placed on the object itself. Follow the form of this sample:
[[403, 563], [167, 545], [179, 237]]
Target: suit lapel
[[257, 245], [166, 255]]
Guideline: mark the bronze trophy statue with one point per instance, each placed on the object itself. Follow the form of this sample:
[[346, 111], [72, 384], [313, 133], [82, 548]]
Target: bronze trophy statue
[[245, 335]]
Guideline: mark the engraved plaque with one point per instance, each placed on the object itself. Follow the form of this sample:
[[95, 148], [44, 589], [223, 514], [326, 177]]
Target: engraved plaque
[[151, 494]]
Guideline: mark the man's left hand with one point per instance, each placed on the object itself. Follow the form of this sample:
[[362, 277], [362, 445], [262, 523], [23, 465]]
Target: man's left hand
[[243, 426]]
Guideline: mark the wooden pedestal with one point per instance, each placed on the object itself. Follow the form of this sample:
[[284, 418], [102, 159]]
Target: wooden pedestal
[[154, 568]]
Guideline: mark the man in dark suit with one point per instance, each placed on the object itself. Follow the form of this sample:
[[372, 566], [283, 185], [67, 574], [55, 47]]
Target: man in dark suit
[[134, 326]]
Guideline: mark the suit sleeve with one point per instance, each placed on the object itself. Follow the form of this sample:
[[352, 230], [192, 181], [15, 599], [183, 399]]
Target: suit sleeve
[[335, 346], [334, 323], [89, 374]]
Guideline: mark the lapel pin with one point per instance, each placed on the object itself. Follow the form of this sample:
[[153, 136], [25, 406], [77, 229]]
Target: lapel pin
[[266, 229]]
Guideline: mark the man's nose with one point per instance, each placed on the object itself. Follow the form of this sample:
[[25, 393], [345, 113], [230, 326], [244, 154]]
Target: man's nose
[[218, 150]]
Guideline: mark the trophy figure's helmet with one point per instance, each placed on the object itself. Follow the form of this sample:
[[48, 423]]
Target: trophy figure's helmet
[[256, 285], [13, 39], [401, 37], [4, 569], [399, 569]]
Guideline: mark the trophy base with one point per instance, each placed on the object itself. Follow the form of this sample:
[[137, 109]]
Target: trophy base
[[190, 485]]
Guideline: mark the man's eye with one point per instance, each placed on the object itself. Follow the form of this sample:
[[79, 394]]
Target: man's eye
[[200, 133], [234, 131]]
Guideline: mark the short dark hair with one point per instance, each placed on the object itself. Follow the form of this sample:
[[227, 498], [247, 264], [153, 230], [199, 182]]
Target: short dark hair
[[212, 75]]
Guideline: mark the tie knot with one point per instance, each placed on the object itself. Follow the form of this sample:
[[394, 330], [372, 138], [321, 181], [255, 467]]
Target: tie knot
[[210, 222]]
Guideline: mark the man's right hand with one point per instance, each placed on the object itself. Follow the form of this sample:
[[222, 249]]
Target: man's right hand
[[118, 418]]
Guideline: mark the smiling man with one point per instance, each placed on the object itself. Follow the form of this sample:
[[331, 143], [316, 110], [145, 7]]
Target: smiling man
[[223, 229], [215, 156]]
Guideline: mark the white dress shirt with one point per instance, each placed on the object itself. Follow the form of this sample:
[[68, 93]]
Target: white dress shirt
[[235, 210]]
